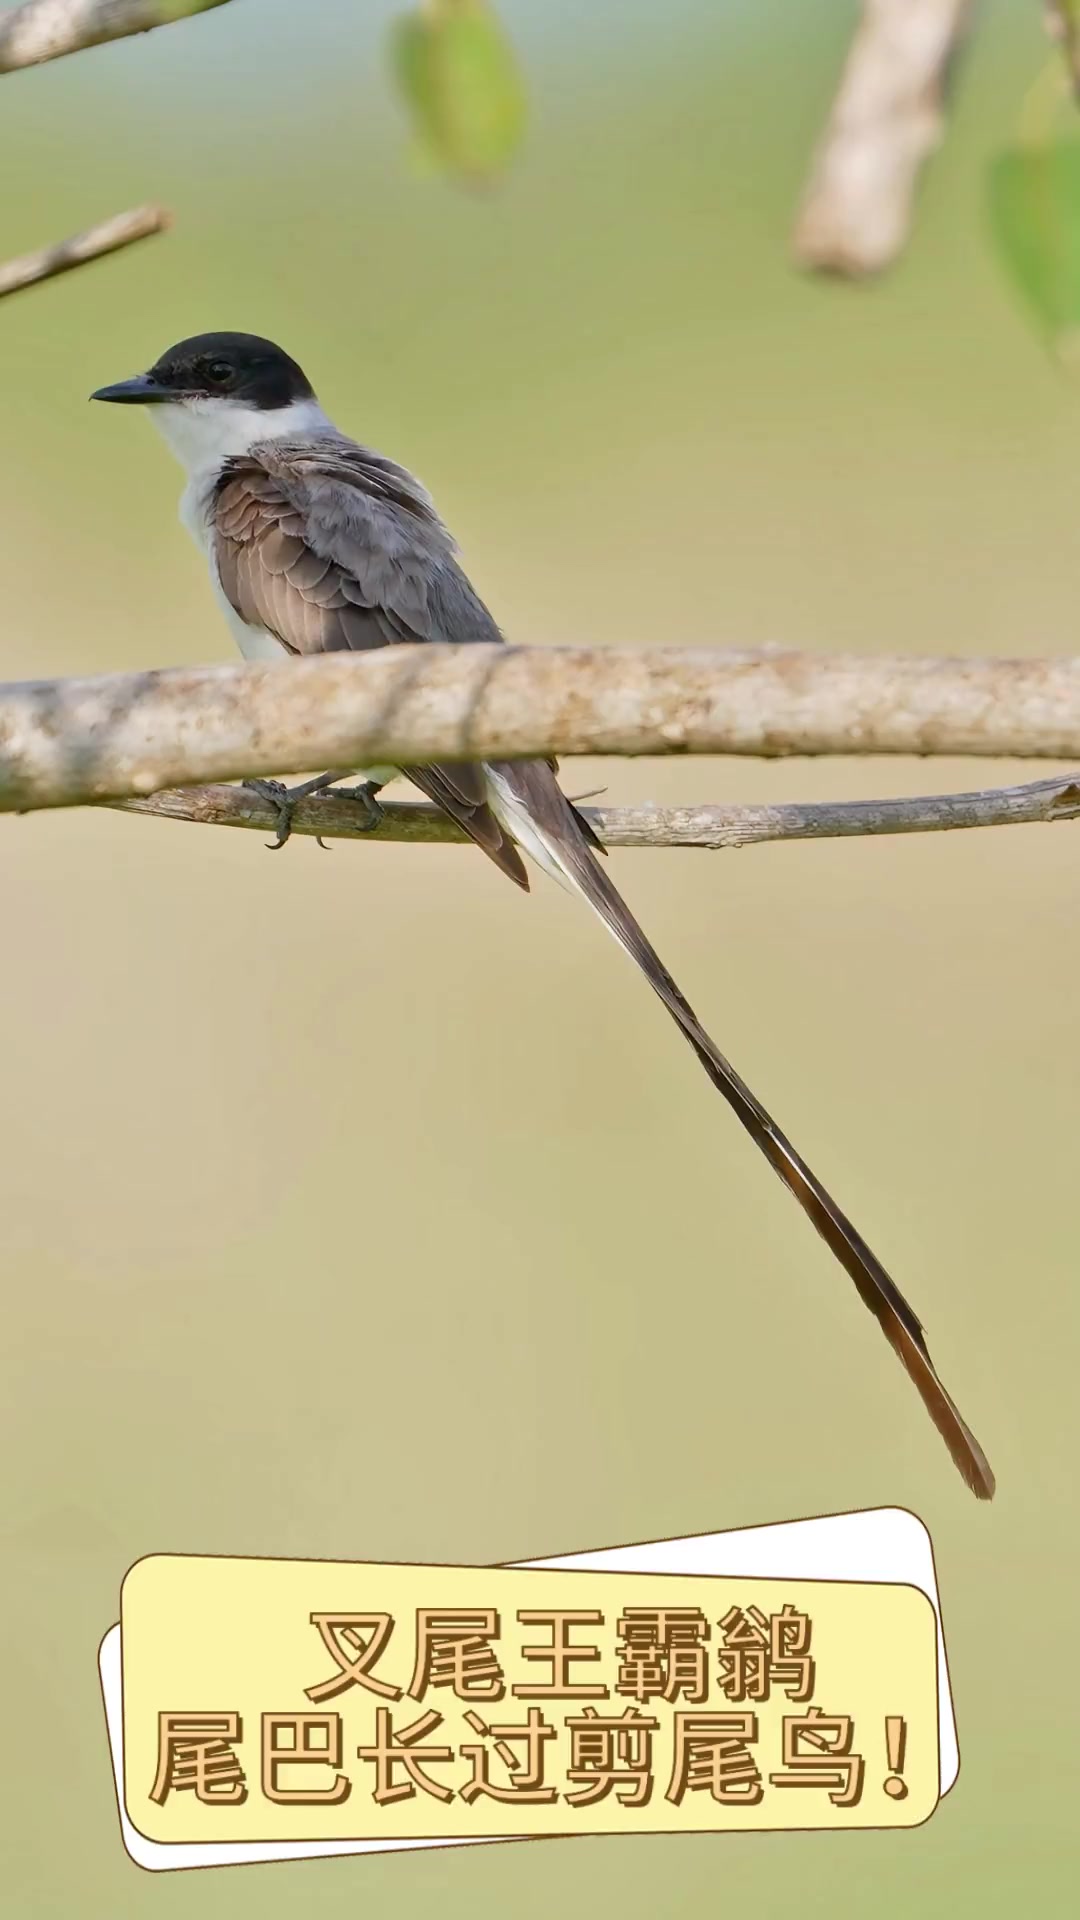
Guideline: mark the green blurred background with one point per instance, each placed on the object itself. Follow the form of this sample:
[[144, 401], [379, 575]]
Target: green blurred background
[[283, 1141]]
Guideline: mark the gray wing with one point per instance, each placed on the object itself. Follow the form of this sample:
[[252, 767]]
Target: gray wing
[[332, 549]]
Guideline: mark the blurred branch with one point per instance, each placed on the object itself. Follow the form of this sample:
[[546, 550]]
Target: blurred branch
[[886, 119], [1063, 25], [337, 817], [45, 29], [68, 742], [120, 231]]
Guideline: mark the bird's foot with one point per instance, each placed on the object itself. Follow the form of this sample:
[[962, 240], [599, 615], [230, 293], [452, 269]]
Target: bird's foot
[[365, 796], [284, 801]]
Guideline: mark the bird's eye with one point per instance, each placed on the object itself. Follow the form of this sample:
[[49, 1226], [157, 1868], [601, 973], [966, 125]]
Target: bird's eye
[[218, 372]]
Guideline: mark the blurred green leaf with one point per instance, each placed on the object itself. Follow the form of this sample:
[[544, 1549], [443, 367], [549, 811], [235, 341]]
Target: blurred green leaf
[[1034, 201], [461, 82]]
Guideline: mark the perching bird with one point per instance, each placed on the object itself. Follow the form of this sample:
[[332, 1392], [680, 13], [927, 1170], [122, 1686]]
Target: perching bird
[[316, 545]]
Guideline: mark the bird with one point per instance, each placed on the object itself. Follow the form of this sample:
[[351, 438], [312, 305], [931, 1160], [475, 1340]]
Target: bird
[[317, 544]]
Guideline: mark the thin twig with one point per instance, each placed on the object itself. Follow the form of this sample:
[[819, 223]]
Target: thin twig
[[886, 119], [120, 231], [45, 29], [336, 817], [66, 742]]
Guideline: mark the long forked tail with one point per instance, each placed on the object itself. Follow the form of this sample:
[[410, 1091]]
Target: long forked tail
[[533, 807]]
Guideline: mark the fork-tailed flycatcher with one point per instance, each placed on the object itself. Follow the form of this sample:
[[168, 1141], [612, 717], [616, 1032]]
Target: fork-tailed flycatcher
[[315, 544]]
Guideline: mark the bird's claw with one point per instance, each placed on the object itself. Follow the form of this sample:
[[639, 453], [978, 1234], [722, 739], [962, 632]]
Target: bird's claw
[[364, 794], [284, 802]]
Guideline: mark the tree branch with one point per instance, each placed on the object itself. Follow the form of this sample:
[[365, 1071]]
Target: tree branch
[[67, 742], [886, 119], [1063, 26], [336, 817], [45, 29], [120, 231]]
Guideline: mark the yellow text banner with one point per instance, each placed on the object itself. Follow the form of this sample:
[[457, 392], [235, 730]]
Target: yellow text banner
[[318, 1701]]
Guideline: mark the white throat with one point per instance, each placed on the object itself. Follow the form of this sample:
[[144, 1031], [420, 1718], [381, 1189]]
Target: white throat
[[203, 434]]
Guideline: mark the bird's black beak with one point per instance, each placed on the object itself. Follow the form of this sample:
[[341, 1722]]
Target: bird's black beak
[[143, 391]]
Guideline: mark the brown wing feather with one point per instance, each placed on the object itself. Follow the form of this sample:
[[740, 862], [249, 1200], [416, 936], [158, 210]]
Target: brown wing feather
[[312, 604], [460, 791]]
